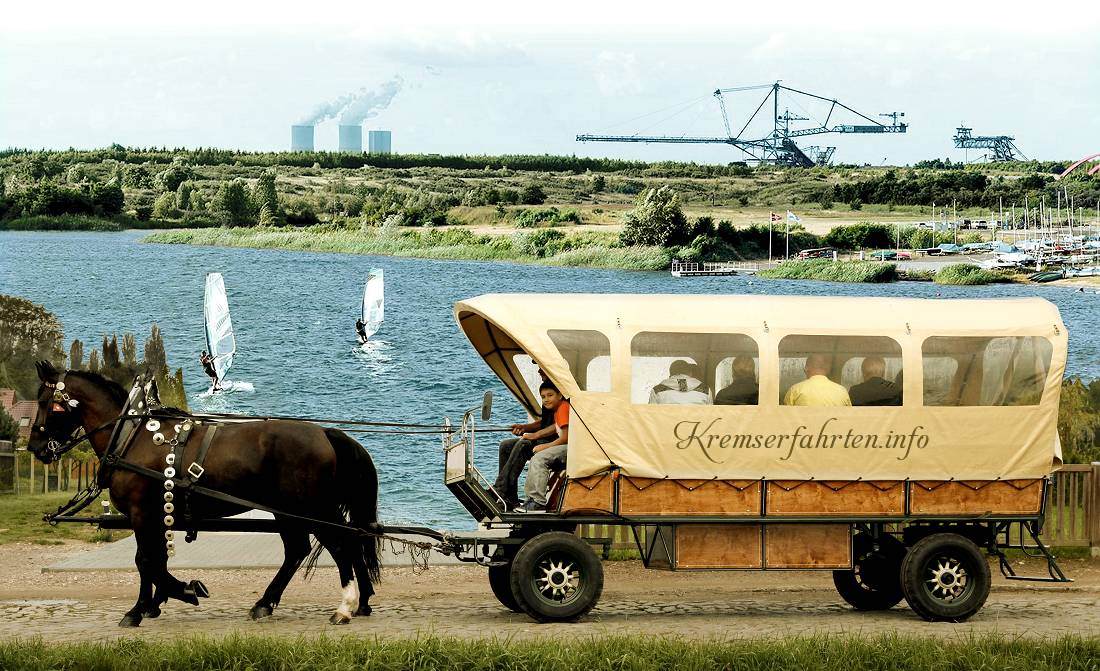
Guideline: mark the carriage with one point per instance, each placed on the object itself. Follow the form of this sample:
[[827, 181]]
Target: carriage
[[898, 499]]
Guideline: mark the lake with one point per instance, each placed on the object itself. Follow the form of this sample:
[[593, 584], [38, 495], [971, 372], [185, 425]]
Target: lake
[[294, 314]]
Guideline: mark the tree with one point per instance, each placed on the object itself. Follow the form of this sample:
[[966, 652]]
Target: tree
[[532, 194], [656, 220], [232, 204], [28, 333], [178, 172], [183, 195], [165, 205], [599, 183], [107, 199], [266, 217], [129, 350], [76, 355], [156, 361], [93, 361], [136, 176], [9, 428], [110, 355], [265, 195]]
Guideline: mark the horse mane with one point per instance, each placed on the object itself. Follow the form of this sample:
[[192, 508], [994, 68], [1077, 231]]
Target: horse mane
[[116, 391]]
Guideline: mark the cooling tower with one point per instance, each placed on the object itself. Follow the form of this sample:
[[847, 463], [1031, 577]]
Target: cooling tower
[[378, 142], [301, 138], [351, 139]]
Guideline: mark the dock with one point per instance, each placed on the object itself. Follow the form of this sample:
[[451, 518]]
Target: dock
[[715, 269]]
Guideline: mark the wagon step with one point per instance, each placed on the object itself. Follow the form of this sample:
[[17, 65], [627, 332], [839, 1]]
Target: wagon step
[[1054, 572]]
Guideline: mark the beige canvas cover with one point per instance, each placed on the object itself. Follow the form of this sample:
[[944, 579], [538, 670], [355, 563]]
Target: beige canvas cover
[[771, 440]]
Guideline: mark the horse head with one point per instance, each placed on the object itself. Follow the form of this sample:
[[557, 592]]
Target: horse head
[[59, 413]]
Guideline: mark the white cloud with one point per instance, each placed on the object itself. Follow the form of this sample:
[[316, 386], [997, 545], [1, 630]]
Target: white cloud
[[617, 73]]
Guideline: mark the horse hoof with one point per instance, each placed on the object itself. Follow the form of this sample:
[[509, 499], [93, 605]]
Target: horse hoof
[[152, 613], [363, 611], [198, 588], [130, 620], [339, 618], [259, 612]]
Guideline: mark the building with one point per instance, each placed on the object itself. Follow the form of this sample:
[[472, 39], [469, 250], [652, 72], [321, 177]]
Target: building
[[301, 138], [351, 139], [378, 142], [22, 412]]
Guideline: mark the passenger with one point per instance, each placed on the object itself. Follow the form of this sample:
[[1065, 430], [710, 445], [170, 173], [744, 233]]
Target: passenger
[[817, 389], [743, 390], [684, 386], [515, 452], [875, 389], [548, 455]]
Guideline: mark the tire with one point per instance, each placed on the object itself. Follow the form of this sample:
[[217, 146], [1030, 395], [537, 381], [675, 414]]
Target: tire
[[874, 582], [500, 582], [556, 577], [945, 578]]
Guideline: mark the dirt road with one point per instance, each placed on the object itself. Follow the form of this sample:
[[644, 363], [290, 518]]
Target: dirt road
[[456, 601]]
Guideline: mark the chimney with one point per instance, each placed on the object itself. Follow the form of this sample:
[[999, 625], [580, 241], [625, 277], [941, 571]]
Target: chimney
[[351, 139], [301, 138]]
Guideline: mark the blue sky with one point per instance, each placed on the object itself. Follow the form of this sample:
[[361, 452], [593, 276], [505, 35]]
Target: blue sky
[[505, 78]]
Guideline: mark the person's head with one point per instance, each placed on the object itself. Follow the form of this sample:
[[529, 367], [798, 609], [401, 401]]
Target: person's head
[[682, 367], [743, 367], [542, 375], [551, 397], [204, 354], [873, 366], [818, 364]]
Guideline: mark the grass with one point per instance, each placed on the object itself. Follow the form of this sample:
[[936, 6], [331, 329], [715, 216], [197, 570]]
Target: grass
[[574, 249], [965, 274], [833, 271], [21, 521], [567, 652], [67, 222]]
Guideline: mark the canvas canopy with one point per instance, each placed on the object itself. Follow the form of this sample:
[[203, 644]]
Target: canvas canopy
[[973, 384]]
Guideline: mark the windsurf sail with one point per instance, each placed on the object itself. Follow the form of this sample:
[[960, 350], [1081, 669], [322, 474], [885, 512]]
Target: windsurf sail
[[220, 342], [374, 302]]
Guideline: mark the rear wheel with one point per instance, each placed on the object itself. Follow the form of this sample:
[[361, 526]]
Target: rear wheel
[[500, 582], [874, 582], [556, 577], [945, 578]]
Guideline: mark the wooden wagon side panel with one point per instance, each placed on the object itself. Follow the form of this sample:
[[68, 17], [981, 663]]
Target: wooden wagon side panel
[[998, 497], [595, 493], [718, 546], [786, 497], [804, 546], [647, 496]]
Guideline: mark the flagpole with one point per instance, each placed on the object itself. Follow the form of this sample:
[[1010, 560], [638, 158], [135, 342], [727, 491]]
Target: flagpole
[[771, 215]]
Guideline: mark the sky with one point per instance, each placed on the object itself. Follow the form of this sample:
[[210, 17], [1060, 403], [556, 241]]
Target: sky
[[508, 77]]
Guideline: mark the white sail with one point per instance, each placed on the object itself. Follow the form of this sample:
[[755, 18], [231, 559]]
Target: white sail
[[220, 342], [374, 302]]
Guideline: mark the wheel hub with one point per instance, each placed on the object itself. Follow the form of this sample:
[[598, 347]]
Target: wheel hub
[[948, 578], [557, 579]]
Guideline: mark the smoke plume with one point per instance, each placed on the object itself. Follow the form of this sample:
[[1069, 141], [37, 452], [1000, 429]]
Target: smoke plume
[[367, 104]]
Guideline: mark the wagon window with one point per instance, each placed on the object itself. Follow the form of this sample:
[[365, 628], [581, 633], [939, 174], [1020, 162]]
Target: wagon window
[[588, 354], [855, 370], [974, 370], [694, 368], [529, 371]]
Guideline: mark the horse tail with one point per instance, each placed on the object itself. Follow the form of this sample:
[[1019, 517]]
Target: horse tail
[[358, 486]]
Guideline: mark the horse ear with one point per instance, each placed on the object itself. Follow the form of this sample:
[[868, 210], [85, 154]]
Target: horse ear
[[46, 371]]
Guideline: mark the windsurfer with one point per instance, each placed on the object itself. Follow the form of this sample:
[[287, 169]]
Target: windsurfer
[[207, 362], [361, 329]]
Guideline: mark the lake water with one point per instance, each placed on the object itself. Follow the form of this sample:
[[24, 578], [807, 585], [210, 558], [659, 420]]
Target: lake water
[[294, 314]]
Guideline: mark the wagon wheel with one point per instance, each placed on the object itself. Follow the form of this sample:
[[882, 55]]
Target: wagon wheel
[[874, 581], [945, 578], [501, 583], [556, 577]]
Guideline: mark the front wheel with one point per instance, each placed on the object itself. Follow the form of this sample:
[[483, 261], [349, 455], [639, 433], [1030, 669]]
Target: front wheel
[[556, 577], [945, 578], [500, 581], [874, 583]]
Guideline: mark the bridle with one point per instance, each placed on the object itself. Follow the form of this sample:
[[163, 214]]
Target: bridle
[[59, 402]]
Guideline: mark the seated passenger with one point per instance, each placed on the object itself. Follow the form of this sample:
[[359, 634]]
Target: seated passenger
[[875, 389], [743, 390], [817, 389], [548, 455], [515, 452], [684, 386]]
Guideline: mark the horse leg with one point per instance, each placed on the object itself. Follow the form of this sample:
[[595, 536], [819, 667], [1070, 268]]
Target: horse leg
[[338, 546], [146, 605], [295, 550], [366, 587]]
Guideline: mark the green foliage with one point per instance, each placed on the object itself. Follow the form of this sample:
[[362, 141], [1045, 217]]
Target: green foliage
[[965, 274], [66, 222], [860, 236], [264, 196], [164, 206], [107, 199], [136, 176], [177, 172], [532, 194], [542, 243], [482, 195], [599, 183], [76, 355], [28, 333], [9, 428], [156, 361], [656, 221], [833, 271], [232, 204], [1079, 421], [183, 195], [551, 216], [93, 361]]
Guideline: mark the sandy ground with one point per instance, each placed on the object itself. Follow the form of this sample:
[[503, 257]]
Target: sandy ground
[[456, 601]]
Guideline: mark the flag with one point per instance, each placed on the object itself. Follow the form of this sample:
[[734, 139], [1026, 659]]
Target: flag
[[791, 216], [776, 217]]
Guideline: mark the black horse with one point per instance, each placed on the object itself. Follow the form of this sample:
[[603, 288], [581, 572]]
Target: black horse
[[296, 468]]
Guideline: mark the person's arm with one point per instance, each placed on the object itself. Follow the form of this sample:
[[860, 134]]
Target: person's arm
[[520, 429], [541, 433], [562, 439]]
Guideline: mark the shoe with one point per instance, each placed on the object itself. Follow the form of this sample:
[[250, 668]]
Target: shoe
[[531, 506]]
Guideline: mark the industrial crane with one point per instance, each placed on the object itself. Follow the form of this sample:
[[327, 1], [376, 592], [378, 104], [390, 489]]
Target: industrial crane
[[1004, 149], [778, 146]]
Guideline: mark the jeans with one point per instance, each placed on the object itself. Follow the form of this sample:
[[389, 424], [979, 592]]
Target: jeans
[[538, 475], [513, 456]]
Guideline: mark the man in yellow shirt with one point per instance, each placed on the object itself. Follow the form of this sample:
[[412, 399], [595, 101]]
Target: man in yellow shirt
[[817, 389]]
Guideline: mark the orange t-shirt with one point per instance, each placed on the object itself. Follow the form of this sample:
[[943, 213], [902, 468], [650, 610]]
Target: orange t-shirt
[[561, 415]]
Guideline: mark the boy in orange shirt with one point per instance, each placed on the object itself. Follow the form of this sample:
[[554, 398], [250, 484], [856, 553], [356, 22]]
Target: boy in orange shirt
[[549, 454]]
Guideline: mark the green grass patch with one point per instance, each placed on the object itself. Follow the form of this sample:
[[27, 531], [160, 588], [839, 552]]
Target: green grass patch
[[833, 271], [566, 652], [65, 222], [965, 274], [21, 521], [541, 246]]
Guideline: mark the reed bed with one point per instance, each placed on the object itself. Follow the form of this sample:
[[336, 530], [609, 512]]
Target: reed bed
[[833, 271], [566, 652], [965, 274]]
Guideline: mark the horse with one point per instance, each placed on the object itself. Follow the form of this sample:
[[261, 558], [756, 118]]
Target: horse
[[313, 479]]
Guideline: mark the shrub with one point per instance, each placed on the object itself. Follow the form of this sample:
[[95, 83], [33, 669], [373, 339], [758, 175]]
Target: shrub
[[656, 221], [833, 271], [177, 172], [541, 243], [164, 206], [859, 236], [550, 217], [532, 194], [965, 274], [232, 204]]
